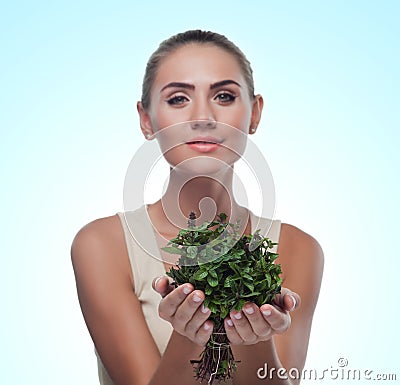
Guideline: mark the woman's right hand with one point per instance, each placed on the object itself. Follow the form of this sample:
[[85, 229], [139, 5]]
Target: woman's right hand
[[183, 308]]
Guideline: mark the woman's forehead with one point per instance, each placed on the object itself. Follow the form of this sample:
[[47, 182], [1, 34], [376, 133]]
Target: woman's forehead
[[194, 63]]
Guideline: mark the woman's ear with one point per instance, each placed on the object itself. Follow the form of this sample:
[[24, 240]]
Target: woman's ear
[[258, 104], [145, 122]]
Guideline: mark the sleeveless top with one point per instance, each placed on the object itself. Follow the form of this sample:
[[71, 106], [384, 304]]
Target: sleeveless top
[[145, 267]]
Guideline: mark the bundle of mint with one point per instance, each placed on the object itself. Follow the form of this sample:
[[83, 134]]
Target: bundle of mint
[[216, 259]]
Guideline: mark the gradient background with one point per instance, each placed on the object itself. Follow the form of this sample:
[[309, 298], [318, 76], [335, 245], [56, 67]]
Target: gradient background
[[70, 76]]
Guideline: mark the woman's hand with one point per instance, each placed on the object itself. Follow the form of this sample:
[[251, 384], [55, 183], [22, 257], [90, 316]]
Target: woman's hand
[[254, 324], [183, 308]]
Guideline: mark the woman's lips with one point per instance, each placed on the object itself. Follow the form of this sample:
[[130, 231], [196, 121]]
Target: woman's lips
[[203, 146], [204, 143]]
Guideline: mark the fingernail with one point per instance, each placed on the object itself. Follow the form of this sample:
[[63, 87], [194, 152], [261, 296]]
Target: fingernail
[[204, 309], [187, 290], [207, 326], [267, 312], [156, 282], [229, 322], [249, 310], [238, 315], [294, 302], [196, 298]]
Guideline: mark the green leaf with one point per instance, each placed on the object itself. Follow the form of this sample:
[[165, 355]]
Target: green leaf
[[248, 276], [239, 305], [234, 267], [228, 282], [202, 227], [191, 251], [224, 311], [253, 294], [208, 290], [200, 274], [222, 217], [212, 307], [192, 280], [268, 278], [213, 273], [263, 263], [212, 281], [173, 250], [249, 285]]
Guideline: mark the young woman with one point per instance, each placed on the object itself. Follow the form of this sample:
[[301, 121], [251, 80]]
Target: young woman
[[144, 331]]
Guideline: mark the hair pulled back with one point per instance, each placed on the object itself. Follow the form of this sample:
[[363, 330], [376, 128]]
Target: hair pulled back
[[193, 37]]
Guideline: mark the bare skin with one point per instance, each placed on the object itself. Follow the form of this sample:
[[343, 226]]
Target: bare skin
[[277, 333]]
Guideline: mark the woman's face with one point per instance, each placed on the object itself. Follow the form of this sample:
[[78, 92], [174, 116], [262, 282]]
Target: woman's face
[[200, 106]]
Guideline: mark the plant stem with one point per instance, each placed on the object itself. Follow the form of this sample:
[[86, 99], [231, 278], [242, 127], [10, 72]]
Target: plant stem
[[216, 360]]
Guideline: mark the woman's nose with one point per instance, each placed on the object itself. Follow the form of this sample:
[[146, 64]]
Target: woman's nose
[[202, 116], [203, 124]]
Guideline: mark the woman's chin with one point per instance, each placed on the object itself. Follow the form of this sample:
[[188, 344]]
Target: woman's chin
[[203, 166]]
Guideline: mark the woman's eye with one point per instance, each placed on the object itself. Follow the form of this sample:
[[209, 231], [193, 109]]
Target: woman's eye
[[225, 97], [176, 100]]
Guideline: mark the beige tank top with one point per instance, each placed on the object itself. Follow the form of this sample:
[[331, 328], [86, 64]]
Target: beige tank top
[[145, 268]]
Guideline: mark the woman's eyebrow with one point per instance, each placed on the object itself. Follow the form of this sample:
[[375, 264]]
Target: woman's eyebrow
[[178, 85], [192, 87], [223, 83]]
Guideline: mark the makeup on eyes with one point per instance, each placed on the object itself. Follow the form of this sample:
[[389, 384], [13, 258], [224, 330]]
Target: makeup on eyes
[[228, 97], [231, 96], [177, 99]]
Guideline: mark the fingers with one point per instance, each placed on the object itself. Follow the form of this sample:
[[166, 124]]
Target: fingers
[[197, 320], [204, 333], [184, 309], [191, 317], [243, 327], [162, 285], [232, 333], [169, 304], [287, 300], [253, 324], [279, 320], [257, 322], [247, 326], [187, 310]]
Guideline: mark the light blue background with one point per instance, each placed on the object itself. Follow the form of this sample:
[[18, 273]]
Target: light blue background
[[70, 76]]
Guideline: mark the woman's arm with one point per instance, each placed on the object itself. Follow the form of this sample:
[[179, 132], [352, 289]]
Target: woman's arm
[[111, 311], [114, 316]]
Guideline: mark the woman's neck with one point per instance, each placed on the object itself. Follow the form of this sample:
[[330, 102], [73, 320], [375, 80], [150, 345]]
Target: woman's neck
[[207, 196]]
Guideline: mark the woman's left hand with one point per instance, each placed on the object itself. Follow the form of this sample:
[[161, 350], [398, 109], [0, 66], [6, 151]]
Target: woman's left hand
[[255, 324]]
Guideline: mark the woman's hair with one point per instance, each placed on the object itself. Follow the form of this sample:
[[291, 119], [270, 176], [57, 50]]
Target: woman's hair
[[189, 37]]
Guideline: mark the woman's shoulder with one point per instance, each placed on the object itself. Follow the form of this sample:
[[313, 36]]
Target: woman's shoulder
[[297, 243], [293, 237], [100, 240], [301, 257], [99, 230]]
